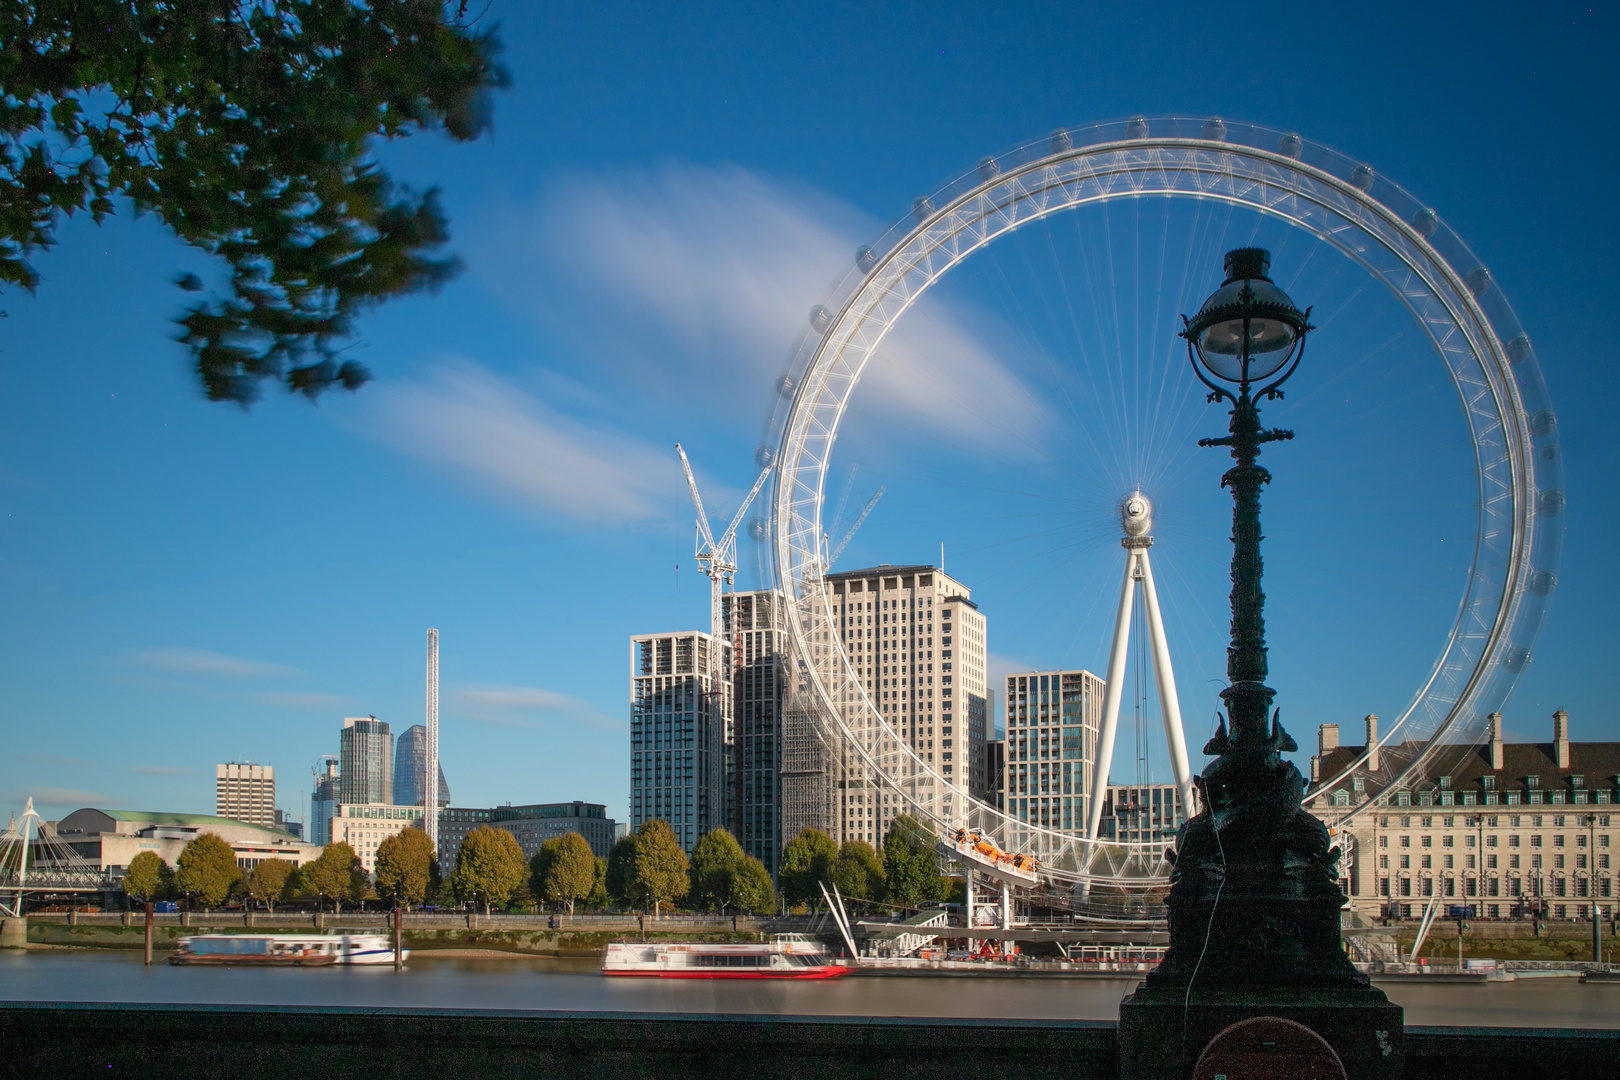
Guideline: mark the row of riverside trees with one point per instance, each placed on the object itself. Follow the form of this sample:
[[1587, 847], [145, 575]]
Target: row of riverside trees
[[646, 870]]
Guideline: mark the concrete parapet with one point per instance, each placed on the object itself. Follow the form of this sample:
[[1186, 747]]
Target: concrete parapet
[[14, 933], [43, 1042]]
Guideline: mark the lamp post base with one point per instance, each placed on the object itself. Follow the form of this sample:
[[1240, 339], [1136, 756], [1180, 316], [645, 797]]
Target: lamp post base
[[1163, 1035]]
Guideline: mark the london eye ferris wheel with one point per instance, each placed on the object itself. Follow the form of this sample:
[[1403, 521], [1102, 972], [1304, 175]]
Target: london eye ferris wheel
[[1418, 547]]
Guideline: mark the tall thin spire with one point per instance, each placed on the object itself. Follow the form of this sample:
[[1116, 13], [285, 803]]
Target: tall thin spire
[[430, 777]]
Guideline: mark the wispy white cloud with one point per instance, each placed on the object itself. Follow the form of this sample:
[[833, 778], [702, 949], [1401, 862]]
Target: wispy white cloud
[[472, 424], [313, 702], [58, 759], [527, 706], [60, 797], [700, 281], [202, 662]]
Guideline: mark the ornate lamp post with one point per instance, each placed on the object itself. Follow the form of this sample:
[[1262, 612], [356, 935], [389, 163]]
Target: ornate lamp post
[[1254, 899]]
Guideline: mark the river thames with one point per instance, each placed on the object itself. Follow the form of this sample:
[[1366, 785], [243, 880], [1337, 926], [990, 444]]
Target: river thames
[[571, 985]]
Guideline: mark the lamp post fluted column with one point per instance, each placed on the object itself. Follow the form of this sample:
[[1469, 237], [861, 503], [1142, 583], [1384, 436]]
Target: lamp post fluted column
[[1254, 896]]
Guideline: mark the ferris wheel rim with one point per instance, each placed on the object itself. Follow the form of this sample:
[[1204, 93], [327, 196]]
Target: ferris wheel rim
[[795, 567]]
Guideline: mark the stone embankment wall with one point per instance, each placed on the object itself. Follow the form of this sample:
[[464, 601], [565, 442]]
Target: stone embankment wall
[[527, 934], [178, 1042]]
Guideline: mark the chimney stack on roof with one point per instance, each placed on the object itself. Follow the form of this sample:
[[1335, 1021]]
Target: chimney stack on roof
[[1561, 738], [1497, 759], [1327, 741], [1372, 742]]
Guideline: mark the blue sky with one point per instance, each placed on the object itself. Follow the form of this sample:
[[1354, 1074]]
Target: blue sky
[[669, 189]]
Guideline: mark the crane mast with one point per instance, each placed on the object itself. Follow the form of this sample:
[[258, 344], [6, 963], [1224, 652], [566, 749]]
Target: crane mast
[[718, 561]]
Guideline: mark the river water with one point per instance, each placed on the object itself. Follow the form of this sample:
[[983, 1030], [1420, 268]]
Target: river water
[[546, 984]]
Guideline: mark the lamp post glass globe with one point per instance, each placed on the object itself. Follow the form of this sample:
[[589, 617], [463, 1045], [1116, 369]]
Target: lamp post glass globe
[[1247, 329]]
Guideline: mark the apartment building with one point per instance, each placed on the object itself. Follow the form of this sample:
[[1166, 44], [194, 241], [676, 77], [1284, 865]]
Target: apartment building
[[756, 628], [1509, 829], [533, 825], [244, 792], [364, 826], [678, 717], [1051, 725], [918, 644]]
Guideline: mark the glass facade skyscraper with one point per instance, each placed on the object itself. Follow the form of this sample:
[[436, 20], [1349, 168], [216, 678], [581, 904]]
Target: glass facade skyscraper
[[366, 770], [410, 769]]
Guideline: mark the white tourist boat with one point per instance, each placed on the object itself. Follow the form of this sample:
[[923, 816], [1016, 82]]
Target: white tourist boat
[[788, 956], [285, 950]]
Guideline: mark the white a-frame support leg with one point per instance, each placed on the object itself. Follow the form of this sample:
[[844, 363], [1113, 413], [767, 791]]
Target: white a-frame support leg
[[1138, 569]]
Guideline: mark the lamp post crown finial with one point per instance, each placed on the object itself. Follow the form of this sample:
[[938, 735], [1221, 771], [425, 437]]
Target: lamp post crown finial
[[1247, 262]]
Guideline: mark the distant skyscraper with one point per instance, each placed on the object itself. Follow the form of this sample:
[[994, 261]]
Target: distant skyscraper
[[677, 735], [246, 793], [917, 642], [323, 801], [367, 771], [410, 767]]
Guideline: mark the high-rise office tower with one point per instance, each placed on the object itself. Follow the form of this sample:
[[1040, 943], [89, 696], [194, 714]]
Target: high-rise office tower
[[918, 642], [323, 801], [756, 626], [367, 752], [410, 769], [1051, 747], [677, 733], [246, 793]]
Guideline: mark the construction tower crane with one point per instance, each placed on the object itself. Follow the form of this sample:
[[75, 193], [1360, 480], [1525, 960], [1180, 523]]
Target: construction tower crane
[[860, 520], [717, 559]]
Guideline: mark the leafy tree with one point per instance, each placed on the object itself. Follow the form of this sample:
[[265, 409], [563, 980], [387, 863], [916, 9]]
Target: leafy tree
[[337, 875], [618, 879], [806, 860], [857, 871], [909, 871], [563, 871], [405, 866], [267, 883], [715, 861], [659, 867], [489, 867], [148, 878], [207, 869], [751, 887], [248, 129], [599, 898]]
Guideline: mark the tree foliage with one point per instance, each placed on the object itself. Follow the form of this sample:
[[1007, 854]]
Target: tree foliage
[[563, 871], [806, 861], [715, 859], [489, 867], [751, 888], [248, 129], [405, 866], [619, 878], [267, 883], [148, 878], [207, 869], [337, 875], [910, 872], [599, 898], [658, 866], [857, 871]]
